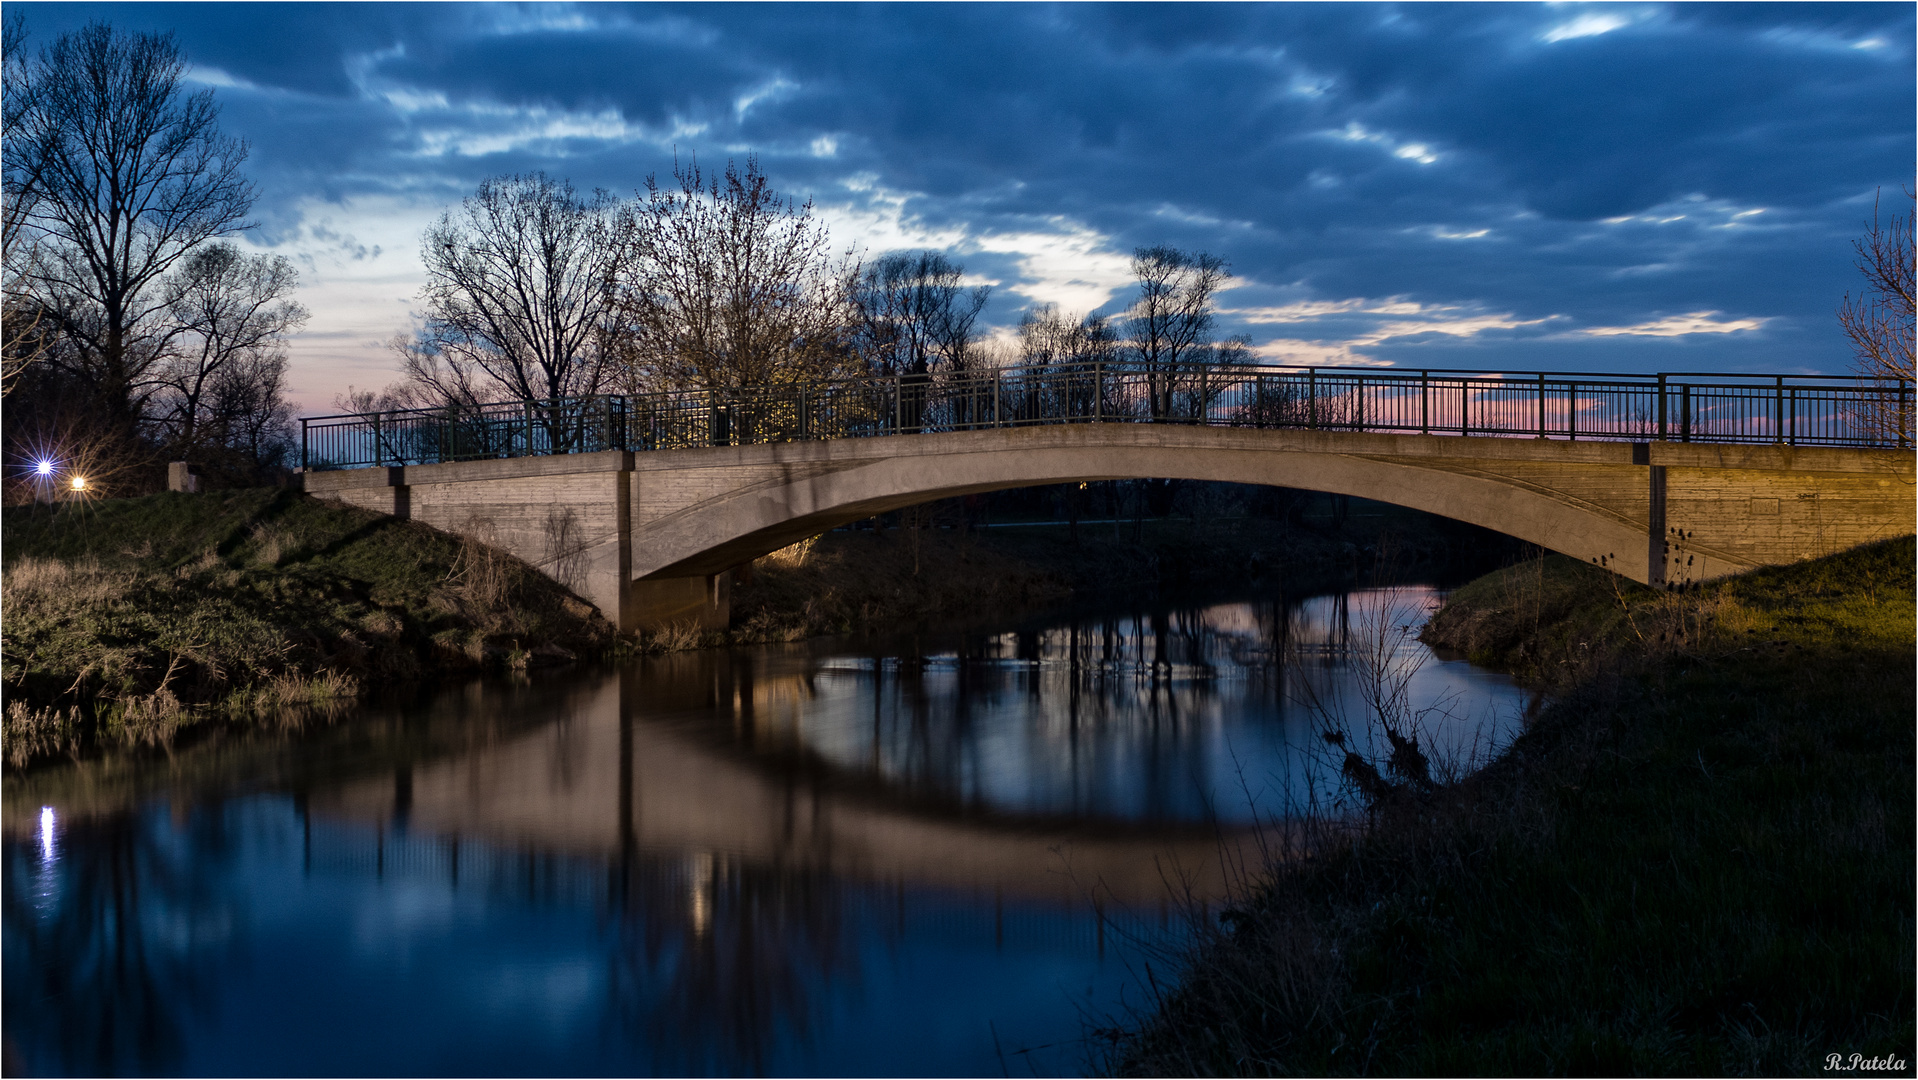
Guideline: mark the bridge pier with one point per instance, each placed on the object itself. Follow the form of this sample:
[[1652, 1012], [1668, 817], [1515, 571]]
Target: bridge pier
[[705, 602]]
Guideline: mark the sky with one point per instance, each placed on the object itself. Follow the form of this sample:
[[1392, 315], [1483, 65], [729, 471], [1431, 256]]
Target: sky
[[1558, 187]]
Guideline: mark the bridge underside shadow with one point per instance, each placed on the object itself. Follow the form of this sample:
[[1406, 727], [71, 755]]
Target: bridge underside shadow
[[650, 536]]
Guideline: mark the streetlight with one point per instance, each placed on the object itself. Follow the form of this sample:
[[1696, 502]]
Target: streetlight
[[79, 483], [43, 467]]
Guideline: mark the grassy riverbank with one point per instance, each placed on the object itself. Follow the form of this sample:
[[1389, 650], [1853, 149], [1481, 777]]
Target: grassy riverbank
[[1698, 860], [130, 621]]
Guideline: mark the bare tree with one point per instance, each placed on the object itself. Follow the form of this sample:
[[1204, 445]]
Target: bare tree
[[1059, 357], [234, 312], [1880, 323], [727, 285], [914, 314], [1169, 326], [21, 322], [246, 414], [517, 290], [131, 174]]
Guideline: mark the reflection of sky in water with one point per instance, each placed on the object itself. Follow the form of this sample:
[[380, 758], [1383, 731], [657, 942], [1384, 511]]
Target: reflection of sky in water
[[1170, 715], [489, 921], [260, 947]]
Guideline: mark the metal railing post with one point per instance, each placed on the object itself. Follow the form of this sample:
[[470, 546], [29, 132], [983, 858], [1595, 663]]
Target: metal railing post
[[1425, 403], [1541, 405], [1685, 413], [998, 417], [1792, 418], [303, 451], [1778, 411], [1661, 406], [1098, 391], [898, 404], [1465, 406], [1571, 413], [1312, 397], [379, 447]]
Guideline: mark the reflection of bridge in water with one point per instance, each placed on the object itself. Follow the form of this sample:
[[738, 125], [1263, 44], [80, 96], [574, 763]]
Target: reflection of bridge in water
[[603, 781]]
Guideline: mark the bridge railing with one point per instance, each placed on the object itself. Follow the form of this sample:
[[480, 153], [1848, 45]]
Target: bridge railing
[[1799, 410]]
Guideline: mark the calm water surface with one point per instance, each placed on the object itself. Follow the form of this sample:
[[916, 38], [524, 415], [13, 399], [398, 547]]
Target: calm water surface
[[926, 854]]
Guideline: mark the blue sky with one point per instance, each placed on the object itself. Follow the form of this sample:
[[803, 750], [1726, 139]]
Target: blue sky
[[1563, 187]]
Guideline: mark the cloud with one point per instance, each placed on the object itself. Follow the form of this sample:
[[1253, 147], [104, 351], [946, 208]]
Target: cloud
[[359, 272], [1299, 353], [1475, 180], [1069, 265], [1352, 331], [1589, 24], [1055, 260], [1697, 322]]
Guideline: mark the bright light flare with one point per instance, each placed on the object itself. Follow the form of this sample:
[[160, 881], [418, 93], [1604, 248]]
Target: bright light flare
[[43, 467], [79, 483], [46, 834]]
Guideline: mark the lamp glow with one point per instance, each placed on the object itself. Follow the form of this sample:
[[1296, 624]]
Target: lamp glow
[[79, 483], [43, 468], [46, 834]]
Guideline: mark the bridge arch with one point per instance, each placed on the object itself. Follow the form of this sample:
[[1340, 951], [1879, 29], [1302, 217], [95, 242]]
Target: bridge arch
[[716, 534]]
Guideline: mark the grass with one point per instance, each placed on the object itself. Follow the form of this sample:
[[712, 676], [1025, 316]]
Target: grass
[[1698, 860], [131, 620]]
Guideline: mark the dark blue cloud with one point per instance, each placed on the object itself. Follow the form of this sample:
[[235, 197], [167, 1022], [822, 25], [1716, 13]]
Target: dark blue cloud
[[1559, 168]]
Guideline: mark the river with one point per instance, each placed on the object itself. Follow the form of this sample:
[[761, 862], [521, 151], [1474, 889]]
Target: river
[[941, 852]]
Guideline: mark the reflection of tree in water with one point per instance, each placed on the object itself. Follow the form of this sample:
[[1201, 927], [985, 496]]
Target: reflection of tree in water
[[111, 943], [1106, 713], [716, 958]]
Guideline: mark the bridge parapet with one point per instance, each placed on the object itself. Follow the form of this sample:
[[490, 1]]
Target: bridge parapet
[[1800, 410]]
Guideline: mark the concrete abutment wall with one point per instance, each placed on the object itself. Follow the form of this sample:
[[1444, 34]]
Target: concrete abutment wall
[[649, 537]]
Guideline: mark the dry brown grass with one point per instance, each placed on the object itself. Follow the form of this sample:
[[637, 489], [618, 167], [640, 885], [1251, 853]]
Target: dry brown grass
[[232, 606]]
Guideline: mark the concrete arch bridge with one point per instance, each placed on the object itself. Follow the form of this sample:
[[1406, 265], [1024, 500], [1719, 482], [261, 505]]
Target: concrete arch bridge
[[642, 503]]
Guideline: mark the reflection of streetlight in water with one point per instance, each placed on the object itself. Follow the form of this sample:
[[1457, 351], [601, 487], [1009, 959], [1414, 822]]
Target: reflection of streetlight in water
[[702, 890], [46, 834]]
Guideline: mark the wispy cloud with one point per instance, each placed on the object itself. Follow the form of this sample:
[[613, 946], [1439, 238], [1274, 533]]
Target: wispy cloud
[[1589, 24], [1410, 151], [1696, 322], [1350, 327]]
